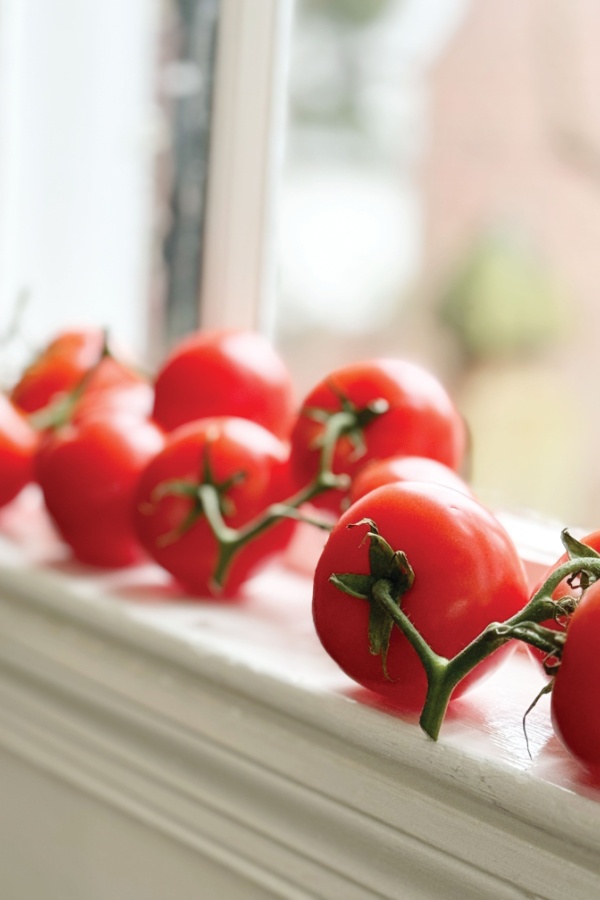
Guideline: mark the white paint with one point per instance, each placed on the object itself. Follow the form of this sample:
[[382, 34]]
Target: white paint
[[219, 744]]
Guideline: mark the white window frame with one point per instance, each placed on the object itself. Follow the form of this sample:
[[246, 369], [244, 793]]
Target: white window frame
[[238, 253], [247, 135]]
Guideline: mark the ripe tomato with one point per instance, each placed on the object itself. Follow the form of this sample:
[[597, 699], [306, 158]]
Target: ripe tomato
[[225, 373], [113, 386], [18, 443], [58, 368], [467, 575], [248, 465], [421, 420], [397, 469], [88, 471], [574, 703]]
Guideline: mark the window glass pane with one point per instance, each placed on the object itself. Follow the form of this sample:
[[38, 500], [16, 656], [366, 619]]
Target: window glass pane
[[105, 117], [185, 89], [441, 201]]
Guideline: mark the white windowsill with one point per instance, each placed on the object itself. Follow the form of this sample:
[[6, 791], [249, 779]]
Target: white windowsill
[[152, 747]]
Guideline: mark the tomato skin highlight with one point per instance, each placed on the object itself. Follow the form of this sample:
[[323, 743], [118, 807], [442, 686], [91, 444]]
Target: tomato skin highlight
[[421, 421], [225, 373], [18, 444], [232, 446], [397, 469], [58, 368], [467, 575], [574, 704], [88, 471]]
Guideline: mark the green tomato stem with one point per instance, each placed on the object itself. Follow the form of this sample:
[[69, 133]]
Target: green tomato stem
[[60, 412], [231, 540], [443, 675]]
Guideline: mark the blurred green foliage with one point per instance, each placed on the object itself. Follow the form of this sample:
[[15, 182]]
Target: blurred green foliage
[[348, 12], [503, 300]]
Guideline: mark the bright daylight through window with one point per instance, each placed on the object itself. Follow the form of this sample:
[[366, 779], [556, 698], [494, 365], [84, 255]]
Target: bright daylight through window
[[440, 200]]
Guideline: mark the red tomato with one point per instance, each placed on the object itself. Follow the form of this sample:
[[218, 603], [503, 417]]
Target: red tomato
[[58, 369], [574, 704], [397, 469], [225, 373], [421, 421], [116, 387], [248, 463], [467, 575], [18, 443], [88, 472]]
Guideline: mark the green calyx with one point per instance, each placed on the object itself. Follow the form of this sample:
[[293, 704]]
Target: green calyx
[[196, 492], [389, 572], [358, 418], [59, 412], [210, 498], [390, 576]]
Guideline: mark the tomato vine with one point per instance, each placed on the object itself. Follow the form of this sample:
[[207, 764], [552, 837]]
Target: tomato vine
[[384, 593]]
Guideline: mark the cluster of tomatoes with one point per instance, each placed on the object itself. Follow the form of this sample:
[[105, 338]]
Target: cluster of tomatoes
[[121, 458], [206, 465]]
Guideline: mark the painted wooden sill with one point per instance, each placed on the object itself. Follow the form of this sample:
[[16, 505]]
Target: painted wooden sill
[[155, 748]]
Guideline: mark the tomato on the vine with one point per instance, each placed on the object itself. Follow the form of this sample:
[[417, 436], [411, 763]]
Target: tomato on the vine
[[225, 373], [113, 386], [58, 368], [419, 419], [568, 586], [18, 443], [88, 471], [574, 703], [397, 469], [247, 465], [467, 574]]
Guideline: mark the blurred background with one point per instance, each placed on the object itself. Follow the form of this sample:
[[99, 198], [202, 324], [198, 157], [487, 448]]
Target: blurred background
[[440, 199]]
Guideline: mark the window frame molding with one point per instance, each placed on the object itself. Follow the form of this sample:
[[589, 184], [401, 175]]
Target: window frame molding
[[238, 276], [154, 731]]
